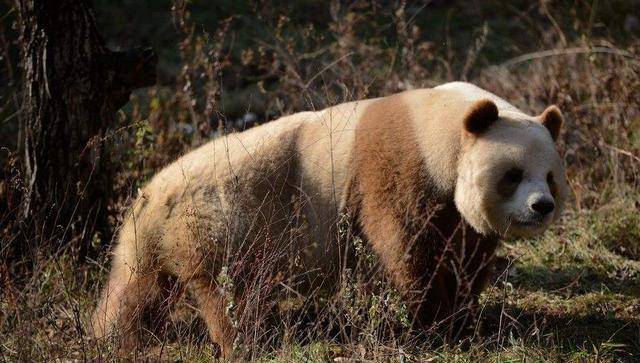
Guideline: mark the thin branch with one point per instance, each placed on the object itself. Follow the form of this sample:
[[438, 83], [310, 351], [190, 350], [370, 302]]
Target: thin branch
[[569, 51]]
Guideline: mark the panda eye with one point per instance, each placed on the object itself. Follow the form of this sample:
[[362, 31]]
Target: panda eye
[[513, 176], [550, 180], [552, 184]]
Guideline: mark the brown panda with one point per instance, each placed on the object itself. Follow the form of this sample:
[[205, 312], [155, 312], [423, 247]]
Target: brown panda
[[431, 179]]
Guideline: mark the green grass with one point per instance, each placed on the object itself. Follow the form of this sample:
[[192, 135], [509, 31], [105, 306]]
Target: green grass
[[569, 295], [572, 294]]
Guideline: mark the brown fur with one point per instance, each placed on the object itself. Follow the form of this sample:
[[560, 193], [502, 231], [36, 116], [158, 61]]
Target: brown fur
[[552, 119], [264, 204], [482, 115], [414, 228]]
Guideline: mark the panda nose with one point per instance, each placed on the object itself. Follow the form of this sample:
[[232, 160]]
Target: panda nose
[[543, 207]]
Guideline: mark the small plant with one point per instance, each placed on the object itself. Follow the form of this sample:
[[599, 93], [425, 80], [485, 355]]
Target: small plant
[[571, 295]]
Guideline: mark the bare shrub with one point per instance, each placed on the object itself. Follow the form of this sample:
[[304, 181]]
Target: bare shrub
[[366, 49]]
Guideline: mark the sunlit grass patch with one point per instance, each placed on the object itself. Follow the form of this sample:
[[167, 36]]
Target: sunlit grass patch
[[617, 226], [570, 291]]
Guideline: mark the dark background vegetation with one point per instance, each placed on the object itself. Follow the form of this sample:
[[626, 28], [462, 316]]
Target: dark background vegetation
[[224, 66]]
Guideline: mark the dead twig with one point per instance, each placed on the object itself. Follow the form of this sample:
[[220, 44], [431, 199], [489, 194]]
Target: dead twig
[[569, 51]]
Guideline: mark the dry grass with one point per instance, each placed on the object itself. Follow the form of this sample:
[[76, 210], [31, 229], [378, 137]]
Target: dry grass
[[570, 295]]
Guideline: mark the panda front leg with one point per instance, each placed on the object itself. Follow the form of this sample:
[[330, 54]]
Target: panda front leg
[[417, 266]]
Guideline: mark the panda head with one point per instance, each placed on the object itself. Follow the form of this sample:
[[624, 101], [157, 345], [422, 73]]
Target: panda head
[[510, 180]]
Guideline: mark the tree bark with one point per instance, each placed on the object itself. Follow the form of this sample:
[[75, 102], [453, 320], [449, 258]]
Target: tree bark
[[73, 87]]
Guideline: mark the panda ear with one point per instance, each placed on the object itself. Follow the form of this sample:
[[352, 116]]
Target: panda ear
[[480, 116], [552, 119]]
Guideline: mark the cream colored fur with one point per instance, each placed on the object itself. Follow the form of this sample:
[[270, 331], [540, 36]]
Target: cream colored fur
[[192, 216], [517, 139]]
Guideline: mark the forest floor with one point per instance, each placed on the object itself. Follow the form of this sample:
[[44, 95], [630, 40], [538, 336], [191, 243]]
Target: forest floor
[[572, 294]]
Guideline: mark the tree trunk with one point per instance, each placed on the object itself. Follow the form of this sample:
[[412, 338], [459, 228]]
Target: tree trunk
[[73, 87]]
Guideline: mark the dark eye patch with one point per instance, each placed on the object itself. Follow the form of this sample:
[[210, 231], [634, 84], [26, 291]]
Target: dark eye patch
[[552, 184], [513, 175], [510, 181]]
